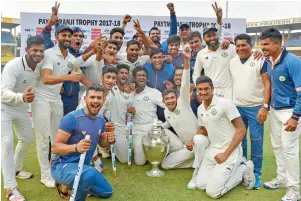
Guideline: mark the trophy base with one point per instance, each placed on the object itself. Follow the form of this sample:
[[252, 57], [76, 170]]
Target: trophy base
[[155, 172]]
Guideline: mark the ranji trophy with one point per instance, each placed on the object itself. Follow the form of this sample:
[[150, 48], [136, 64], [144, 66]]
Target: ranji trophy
[[155, 146]]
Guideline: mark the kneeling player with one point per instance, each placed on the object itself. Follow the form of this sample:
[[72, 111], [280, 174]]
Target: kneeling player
[[70, 142], [223, 166], [180, 116]]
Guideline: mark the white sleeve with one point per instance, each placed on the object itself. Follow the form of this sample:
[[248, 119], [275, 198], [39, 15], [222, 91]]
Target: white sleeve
[[9, 79], [200, 122], [157, 98], [185, 88], [166, 125], [82, 102], [80, 62], [198, 67], [47, 61], [219, 30], [231, 110]]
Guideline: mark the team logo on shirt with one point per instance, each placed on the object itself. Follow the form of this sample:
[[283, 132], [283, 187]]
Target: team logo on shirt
[[84, 132], [70, 65], [24, 81], [146, 98], [282, 78], [177, 111], [137, 64], [252, 64], [224, 54], [58, 63], [213, 111]]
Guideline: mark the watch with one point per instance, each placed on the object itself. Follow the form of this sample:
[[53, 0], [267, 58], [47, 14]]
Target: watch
[[266, 106]]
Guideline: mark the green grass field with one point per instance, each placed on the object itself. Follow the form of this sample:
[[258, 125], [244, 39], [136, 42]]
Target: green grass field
[[133, 184]]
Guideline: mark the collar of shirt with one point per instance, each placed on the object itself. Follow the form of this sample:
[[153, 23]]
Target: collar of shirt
[[277, 60], [74, 53], [25, 65], [144, 90], [213, 102], [58, 50]]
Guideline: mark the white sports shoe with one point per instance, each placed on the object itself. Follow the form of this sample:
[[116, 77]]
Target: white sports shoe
[[274, 184], [24, 175], [292, 194], [192, 184], [48, 182], [14, 195], [248, 175]]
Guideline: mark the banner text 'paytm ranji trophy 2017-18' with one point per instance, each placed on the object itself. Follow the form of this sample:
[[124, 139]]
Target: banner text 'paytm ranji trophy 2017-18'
[[92, 25]]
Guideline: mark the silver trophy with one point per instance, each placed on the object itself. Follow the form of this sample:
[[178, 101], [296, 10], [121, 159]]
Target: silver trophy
[[155, 146]]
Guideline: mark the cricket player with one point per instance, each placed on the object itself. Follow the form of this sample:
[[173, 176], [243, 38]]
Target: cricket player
[[132, 58], [285, 75], [70, 90], [18, 79], [253, 103], [223, 166], [47, 108], [180, 116], [145, 101], [70, 142]]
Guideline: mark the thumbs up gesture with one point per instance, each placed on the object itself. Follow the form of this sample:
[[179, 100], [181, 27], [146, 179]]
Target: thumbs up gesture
[[28, 95], [74, 76]]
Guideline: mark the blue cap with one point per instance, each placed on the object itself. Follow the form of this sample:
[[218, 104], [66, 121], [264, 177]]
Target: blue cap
[[61, 28]]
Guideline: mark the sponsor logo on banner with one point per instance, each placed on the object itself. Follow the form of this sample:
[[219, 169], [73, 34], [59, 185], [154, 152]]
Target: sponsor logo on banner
[[95, 32]]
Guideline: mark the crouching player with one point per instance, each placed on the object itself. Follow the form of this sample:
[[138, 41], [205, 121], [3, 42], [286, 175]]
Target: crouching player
[[180, 116], [70, 142]]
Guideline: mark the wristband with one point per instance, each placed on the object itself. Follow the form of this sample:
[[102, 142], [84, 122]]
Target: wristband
[[47, 29], [295, 118], [297, 115], [172, 13]]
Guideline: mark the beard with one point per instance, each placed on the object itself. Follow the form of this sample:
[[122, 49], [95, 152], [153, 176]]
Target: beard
[[33, 60], [64, 44], [92, 113], [212, 44], [156, 40]]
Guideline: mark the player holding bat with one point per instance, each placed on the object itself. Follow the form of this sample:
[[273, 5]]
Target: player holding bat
[[70, 142]]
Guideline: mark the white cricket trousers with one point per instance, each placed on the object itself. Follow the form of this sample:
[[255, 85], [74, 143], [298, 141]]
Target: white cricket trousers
[[226, 92], [140, 130], [46, 119], [216, 178], [179, 156], [17, 119], [121, 143], [286, 147]]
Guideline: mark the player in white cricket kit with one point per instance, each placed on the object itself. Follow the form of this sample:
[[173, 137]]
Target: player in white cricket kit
[[145, 101], [215, 62], [180, 116], [284, 70], [18, 78], [132, 58], [223, 166], [252, 104], [47, 108]]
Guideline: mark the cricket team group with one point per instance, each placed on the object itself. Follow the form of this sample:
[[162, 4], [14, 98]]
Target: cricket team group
[[207, 97]]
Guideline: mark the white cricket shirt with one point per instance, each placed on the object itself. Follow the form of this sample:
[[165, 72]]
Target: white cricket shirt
[[182, 119], [248, 87], [139, 62], [16, 78], [146, 104], [217, 121], [216, 66], [55, 61]]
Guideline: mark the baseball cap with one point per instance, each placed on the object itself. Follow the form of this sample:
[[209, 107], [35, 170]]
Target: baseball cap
[[184, 25], [61, 28], [207, 29], [77, 29]]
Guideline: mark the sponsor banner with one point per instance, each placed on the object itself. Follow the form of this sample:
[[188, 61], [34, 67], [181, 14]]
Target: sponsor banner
[[274, 22], [92, 25]]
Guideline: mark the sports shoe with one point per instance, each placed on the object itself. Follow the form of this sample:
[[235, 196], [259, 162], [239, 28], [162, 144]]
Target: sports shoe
[[24, 175], [192, 183], [292, 194], [14, 195], [248, 175], [48, 182], [98, 164], [274, 184], [257, 184]]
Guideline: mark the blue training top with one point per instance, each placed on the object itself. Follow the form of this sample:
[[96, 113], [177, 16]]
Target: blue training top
[[285, 78], [77, 124]]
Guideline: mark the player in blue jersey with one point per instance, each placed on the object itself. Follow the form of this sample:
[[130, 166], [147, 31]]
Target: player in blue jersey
[[70, 142]]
